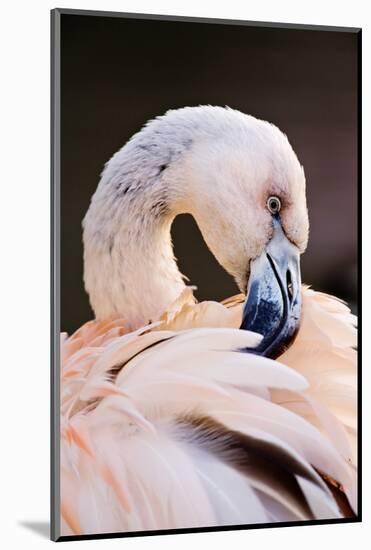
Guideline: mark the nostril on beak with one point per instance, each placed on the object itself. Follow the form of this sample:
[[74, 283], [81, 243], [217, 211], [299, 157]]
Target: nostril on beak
[[289, 285]]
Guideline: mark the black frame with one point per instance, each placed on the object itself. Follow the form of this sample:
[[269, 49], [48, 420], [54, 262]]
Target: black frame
[[55, 273]]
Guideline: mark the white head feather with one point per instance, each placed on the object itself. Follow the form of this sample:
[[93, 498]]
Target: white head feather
[[215, 163]]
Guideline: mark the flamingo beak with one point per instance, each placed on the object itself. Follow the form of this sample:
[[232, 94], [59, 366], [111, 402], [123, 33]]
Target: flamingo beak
[[273, 303]]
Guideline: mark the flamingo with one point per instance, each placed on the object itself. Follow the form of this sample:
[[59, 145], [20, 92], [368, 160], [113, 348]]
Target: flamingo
[[177, 414]]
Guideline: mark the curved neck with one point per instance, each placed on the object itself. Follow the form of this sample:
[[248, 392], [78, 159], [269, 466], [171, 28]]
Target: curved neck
[[130, 269], [175, 164]]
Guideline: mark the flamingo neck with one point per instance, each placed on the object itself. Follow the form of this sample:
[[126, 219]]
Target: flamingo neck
[[130, 269]]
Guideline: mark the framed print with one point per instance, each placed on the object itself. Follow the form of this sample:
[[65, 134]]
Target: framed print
[[205, 357]]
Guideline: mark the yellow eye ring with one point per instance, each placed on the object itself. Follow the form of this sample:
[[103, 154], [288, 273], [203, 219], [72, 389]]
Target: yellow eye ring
[[273, 204]]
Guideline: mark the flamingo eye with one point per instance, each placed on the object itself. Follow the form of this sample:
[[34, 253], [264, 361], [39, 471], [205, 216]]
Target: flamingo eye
[[274, 205]]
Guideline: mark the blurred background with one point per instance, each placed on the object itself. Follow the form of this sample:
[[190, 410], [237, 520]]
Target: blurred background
[[118, 73]]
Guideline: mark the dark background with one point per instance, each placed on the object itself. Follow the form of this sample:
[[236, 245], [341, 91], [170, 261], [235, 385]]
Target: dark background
[[117, 73]]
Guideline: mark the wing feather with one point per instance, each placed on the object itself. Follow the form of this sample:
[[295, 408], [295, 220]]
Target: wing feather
[[173, 426]]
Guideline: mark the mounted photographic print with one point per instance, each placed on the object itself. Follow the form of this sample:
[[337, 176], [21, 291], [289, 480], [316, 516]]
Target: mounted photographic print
[[204, 285]]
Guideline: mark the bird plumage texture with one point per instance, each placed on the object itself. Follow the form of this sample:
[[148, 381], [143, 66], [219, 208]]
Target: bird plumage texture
[[170, 416], [170, 427]]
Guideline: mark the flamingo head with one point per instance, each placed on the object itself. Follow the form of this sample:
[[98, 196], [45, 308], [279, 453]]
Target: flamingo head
[[245, 187]]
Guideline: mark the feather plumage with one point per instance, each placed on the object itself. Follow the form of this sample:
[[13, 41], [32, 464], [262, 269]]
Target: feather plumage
[[168, 427], [173, 425]]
